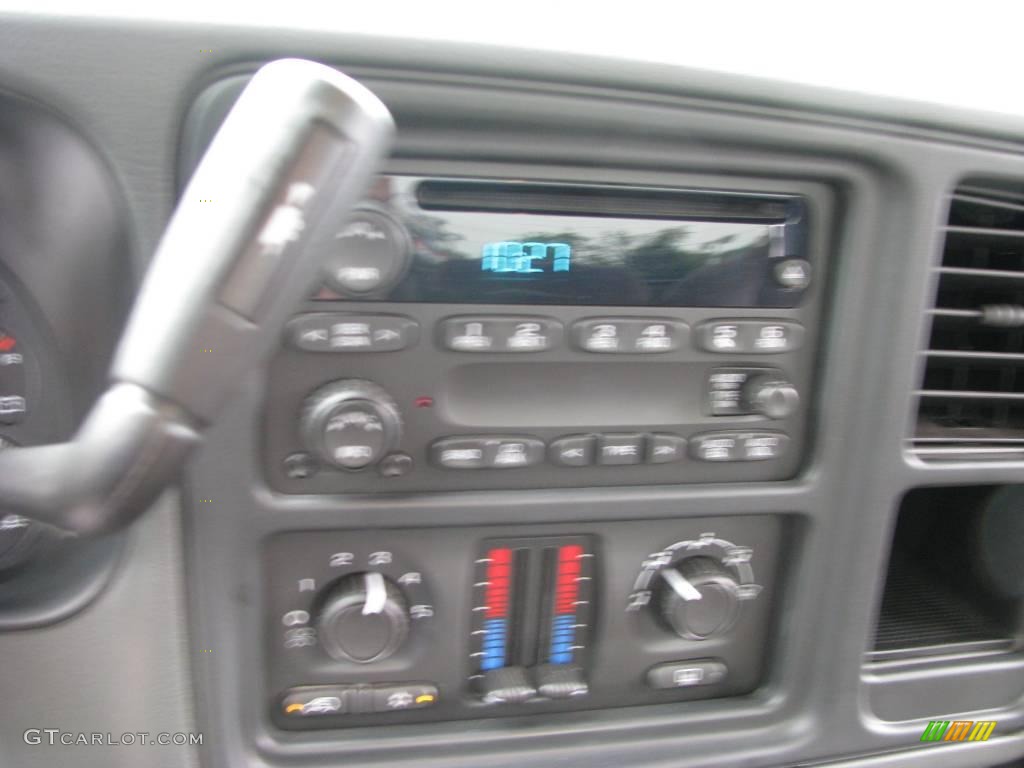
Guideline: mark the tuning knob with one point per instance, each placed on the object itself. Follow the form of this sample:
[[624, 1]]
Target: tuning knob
[[363, 618], [699, 598], [351, 423], [770, 395]]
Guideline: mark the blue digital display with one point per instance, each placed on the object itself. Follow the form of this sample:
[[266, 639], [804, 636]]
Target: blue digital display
[[526, 258]]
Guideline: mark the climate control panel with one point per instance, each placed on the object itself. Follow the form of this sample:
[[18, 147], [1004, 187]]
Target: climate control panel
[[366, 627]]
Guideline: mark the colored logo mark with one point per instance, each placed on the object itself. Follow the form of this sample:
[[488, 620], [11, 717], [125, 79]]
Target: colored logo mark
[[958, 730]]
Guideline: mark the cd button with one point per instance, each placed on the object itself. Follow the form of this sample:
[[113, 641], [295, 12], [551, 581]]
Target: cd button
[[621, 449], [573, 451]]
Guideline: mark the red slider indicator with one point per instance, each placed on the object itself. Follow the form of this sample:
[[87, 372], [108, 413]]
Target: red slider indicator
[[499, 582], [566, 584]]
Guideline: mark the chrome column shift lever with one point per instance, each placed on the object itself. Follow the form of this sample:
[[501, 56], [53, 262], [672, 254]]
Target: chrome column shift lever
[[244, 244]]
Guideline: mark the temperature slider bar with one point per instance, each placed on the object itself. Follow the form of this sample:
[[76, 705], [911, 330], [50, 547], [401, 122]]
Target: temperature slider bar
[[497, 597]]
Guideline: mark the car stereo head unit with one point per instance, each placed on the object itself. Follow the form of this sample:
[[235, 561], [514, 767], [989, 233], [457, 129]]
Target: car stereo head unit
[[527, 243], [519, 334]]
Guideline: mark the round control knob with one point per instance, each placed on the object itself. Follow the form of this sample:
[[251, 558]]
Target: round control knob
[[699, 598], [372, 253], [363, 618], [351, 424], [770, 395]]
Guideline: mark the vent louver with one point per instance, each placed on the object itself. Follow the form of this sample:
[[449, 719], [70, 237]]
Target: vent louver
[[971, 401]]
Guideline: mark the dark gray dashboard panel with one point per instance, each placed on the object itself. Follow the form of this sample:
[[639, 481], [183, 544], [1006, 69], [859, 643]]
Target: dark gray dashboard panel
[[818, 648], [891, 163]]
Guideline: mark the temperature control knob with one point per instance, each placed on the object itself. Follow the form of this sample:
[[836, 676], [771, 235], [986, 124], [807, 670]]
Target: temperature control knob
[[351, 423], [770, 395], [364, 618], [699, 598]]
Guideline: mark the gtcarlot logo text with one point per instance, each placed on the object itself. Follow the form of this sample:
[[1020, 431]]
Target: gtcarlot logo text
[[54, 736]]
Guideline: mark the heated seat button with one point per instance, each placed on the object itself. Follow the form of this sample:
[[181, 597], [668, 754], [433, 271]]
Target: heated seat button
[[687, 674], [318, 701], [620, 449], [573, 451], [396, 697], [665, 449]]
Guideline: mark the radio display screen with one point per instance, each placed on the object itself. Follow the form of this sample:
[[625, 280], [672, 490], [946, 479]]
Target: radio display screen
[[525, 258], [536, 244]]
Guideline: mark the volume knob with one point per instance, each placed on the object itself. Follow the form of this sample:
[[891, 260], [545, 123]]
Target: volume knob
[[351, 423]]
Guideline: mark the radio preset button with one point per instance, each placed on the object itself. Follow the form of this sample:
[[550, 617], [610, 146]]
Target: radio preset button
[[573, 451], [617, 449], [501, 334], [761, 337], [629, 336], [665, 449]]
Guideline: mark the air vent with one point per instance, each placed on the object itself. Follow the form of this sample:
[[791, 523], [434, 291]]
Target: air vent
[[971, 401]]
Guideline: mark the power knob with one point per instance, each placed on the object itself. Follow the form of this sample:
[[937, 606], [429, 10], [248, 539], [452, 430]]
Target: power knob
[[770, 395], [351, 424], [364, 618], [699, 598]]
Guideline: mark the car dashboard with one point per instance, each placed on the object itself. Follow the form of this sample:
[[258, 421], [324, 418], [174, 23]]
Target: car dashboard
[[640, 416]]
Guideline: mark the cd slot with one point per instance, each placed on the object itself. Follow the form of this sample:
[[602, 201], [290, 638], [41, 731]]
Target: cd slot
[[598, 201]]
